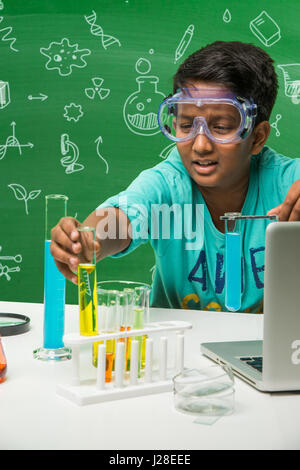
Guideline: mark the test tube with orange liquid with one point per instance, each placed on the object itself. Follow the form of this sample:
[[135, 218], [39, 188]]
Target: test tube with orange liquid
[[108, 323], [3, 363]]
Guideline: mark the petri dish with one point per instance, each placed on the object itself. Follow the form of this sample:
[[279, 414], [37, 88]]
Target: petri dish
[[205, 392]]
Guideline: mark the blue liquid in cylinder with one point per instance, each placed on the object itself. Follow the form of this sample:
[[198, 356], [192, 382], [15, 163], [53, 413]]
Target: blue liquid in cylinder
[[233, 271], [54, 302]]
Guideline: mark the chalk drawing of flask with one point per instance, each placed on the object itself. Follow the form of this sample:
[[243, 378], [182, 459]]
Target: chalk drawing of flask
[[291, 75], [140, 108]]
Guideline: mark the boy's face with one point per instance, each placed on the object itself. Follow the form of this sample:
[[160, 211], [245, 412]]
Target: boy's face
[[230, 162]]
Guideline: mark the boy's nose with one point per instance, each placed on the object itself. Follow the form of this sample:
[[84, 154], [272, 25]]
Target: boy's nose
[[202, 142]]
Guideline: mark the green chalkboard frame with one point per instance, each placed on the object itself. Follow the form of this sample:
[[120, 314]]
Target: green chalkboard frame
[[64, 125]]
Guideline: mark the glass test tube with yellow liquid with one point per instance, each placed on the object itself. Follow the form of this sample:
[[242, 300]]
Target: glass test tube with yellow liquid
[[87, 282]]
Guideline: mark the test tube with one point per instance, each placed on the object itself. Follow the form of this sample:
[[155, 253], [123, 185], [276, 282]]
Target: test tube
[[140, 314], [108, 307], [233, 261], [87, 282], [138, 323], [125, 321], [54, 288]]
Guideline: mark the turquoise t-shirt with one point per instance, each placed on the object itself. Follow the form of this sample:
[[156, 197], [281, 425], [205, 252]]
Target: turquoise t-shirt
[[194, 277]]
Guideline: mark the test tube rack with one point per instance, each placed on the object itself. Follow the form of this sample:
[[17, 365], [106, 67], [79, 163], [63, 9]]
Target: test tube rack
[[125, 384]]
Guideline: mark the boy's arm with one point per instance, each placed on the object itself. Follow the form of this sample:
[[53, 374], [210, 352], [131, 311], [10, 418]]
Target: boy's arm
[[289, 209], [112, 228]]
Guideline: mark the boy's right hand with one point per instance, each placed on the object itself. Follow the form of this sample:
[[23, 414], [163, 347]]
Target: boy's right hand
[[64, 247]]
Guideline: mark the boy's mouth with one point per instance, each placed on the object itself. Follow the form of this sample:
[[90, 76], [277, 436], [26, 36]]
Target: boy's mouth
[[205, 166]]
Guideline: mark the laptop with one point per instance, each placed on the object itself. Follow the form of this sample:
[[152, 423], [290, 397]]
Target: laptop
[[272, 364]]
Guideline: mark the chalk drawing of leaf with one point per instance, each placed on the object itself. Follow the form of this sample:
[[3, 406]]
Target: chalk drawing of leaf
[[19, 191], [34, 194]]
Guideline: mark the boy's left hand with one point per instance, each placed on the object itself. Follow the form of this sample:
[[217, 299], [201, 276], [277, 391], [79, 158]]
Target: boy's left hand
[[289, 210]]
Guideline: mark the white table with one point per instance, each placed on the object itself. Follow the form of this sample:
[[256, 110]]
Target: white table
[[33, 416]]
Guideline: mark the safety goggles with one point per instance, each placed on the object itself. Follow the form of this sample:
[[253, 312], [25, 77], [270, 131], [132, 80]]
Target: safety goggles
[[216, 112]]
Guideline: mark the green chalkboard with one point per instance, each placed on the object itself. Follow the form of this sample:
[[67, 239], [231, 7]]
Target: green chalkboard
[[67, 72]]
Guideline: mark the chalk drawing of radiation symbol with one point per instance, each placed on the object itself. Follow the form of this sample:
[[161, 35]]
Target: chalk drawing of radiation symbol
[[140, 108]]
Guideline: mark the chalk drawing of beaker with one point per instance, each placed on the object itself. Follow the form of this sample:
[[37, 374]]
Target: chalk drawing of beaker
[[291, 75], [140, 108]]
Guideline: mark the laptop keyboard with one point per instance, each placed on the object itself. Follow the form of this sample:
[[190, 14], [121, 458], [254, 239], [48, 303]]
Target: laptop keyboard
[[255, 361]]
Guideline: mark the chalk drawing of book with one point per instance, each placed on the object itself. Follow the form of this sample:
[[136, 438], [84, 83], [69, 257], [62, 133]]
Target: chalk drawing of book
[[4, 94], [291, 75], [265, 29]]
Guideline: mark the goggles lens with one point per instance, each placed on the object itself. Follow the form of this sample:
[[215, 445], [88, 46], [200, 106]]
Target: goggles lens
[[221, 119]]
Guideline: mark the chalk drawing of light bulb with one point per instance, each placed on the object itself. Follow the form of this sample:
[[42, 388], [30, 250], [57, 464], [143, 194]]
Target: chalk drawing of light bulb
[[140, 108]]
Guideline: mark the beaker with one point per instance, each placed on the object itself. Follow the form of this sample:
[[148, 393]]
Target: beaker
[[54, 288], [87, 282], [113, 308], [122, 305], [233, 261]]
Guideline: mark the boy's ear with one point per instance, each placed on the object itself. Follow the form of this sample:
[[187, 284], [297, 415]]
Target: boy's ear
[[260, 134]]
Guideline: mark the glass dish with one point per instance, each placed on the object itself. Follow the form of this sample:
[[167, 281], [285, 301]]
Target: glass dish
[[208, 391]]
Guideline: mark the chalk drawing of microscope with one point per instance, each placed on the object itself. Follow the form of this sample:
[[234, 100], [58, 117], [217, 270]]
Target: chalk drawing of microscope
[[5, 270], [70, 152]]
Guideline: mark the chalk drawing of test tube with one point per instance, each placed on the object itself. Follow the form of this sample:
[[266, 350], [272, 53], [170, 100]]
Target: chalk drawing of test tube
[[70, 154], [291, 75], [5, 270]]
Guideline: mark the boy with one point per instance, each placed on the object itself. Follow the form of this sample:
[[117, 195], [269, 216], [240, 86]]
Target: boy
[[223, 96]]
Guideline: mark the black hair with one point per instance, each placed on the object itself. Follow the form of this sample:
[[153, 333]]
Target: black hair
[[243, 68]]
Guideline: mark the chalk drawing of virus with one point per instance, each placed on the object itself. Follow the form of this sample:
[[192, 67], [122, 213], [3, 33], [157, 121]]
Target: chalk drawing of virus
[[73, 112], [63, 56]]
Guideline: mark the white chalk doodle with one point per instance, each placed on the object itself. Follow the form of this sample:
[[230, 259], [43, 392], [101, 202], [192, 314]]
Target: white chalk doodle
[[1, 5], [184, 42], [4, 94], [227, 16], [73, 112], [275, 124], [41, 97], [6, 37], [167, 150], [22, 195], [140, 108], [97, 89], [70, 153], [96, 30], [291, 75], [265, 29], [152, 271], [12, 142], [4, 269], [63, 56], [99, 141]]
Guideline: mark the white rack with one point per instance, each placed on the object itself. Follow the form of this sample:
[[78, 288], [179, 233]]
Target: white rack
[[125, 384]]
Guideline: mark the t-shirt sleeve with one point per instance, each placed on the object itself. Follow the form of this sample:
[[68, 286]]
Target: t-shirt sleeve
[[277, 174], [148, 188], [289, 173]]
